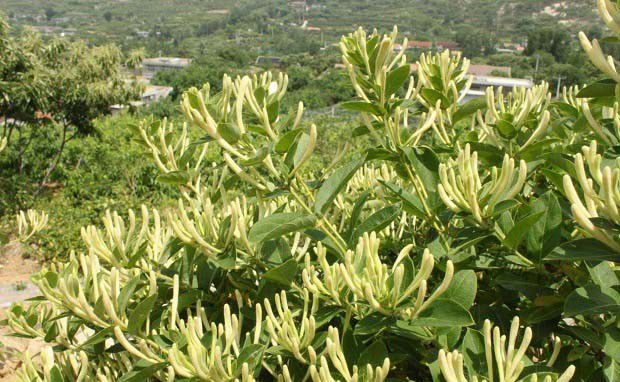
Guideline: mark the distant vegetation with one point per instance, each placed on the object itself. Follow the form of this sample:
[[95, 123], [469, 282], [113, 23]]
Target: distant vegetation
[[50, 162], [391, 232]]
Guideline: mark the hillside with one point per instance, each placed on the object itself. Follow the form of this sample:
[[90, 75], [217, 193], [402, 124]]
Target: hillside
[[159, 24]]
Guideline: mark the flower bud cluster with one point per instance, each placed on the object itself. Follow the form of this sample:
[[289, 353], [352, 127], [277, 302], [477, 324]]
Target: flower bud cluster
[[77, 362], [283, 330], [607, 113], [462, 190], [248, 105], [601, 194], [369, 177], [365, 284], [446, 73], [502, 355], [212, 349], [169, 152], [116, 243], [89, 290], [29, 223], [199, 223], [610, 14], [322, 373], [370, 58], [75, 366], [512, 113]]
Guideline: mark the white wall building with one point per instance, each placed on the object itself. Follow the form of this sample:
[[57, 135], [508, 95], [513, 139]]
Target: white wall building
[[153, 65]]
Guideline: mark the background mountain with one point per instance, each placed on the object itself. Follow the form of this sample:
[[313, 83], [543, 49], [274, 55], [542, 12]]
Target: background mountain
[[184, 22]]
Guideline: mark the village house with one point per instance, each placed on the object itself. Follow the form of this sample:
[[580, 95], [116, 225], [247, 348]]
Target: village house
[[150, 95], [153, 65], [485, 76], [438, 46]]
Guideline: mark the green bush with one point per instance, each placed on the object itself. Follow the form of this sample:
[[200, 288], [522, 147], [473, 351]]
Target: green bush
[[453, 242]]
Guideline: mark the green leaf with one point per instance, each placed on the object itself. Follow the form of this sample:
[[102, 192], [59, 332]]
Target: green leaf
[[55, 374], [405, 329], [487, 152], [273, 110], [517, 233], [504, 205], [377, 221], [465, 238], [545, 233], [98, 337], [174, 178], [127, 293], [351, 347], [469, 108], [356, 211], [283, 274], [361, 106], [444, 313], [592, 299], [612, 343], [462, 288], [583, 249], [520, 283], [142, 374], [140, 314], [566, 109], [611, 370], [396, 78], [360, 131], [334, 184], [506, 129], [373, 324], [258, 158], [411, 202], [252, 355], [598, 89], [373, 355], [229, 132], [432, 96], [535, 151], [426, 165], [279, 224], [473, 350], [603, 274], [287, 140], [302, 145]]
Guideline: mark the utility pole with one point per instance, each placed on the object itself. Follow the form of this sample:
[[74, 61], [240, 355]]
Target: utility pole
[[557, 90], [537, 62]]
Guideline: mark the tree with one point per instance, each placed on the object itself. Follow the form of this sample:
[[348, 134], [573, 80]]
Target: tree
[[556, 41], [134, 61], [107, 15], [56, 85], [474, 42], [50, 13]]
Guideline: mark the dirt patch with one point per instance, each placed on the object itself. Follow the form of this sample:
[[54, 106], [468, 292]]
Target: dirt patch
[[14, 267], [13, 350], [15, 271]]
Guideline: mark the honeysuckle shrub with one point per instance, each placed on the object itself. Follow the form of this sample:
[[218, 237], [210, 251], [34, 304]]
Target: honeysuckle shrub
[[405, 261]]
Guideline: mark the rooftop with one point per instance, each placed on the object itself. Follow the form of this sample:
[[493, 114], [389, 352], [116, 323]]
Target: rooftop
[[502, 81], [487, 70], [167, 61], [153, 90]]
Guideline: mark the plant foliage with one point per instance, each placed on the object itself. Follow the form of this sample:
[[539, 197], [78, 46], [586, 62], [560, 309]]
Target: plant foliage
[[406, 262]]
